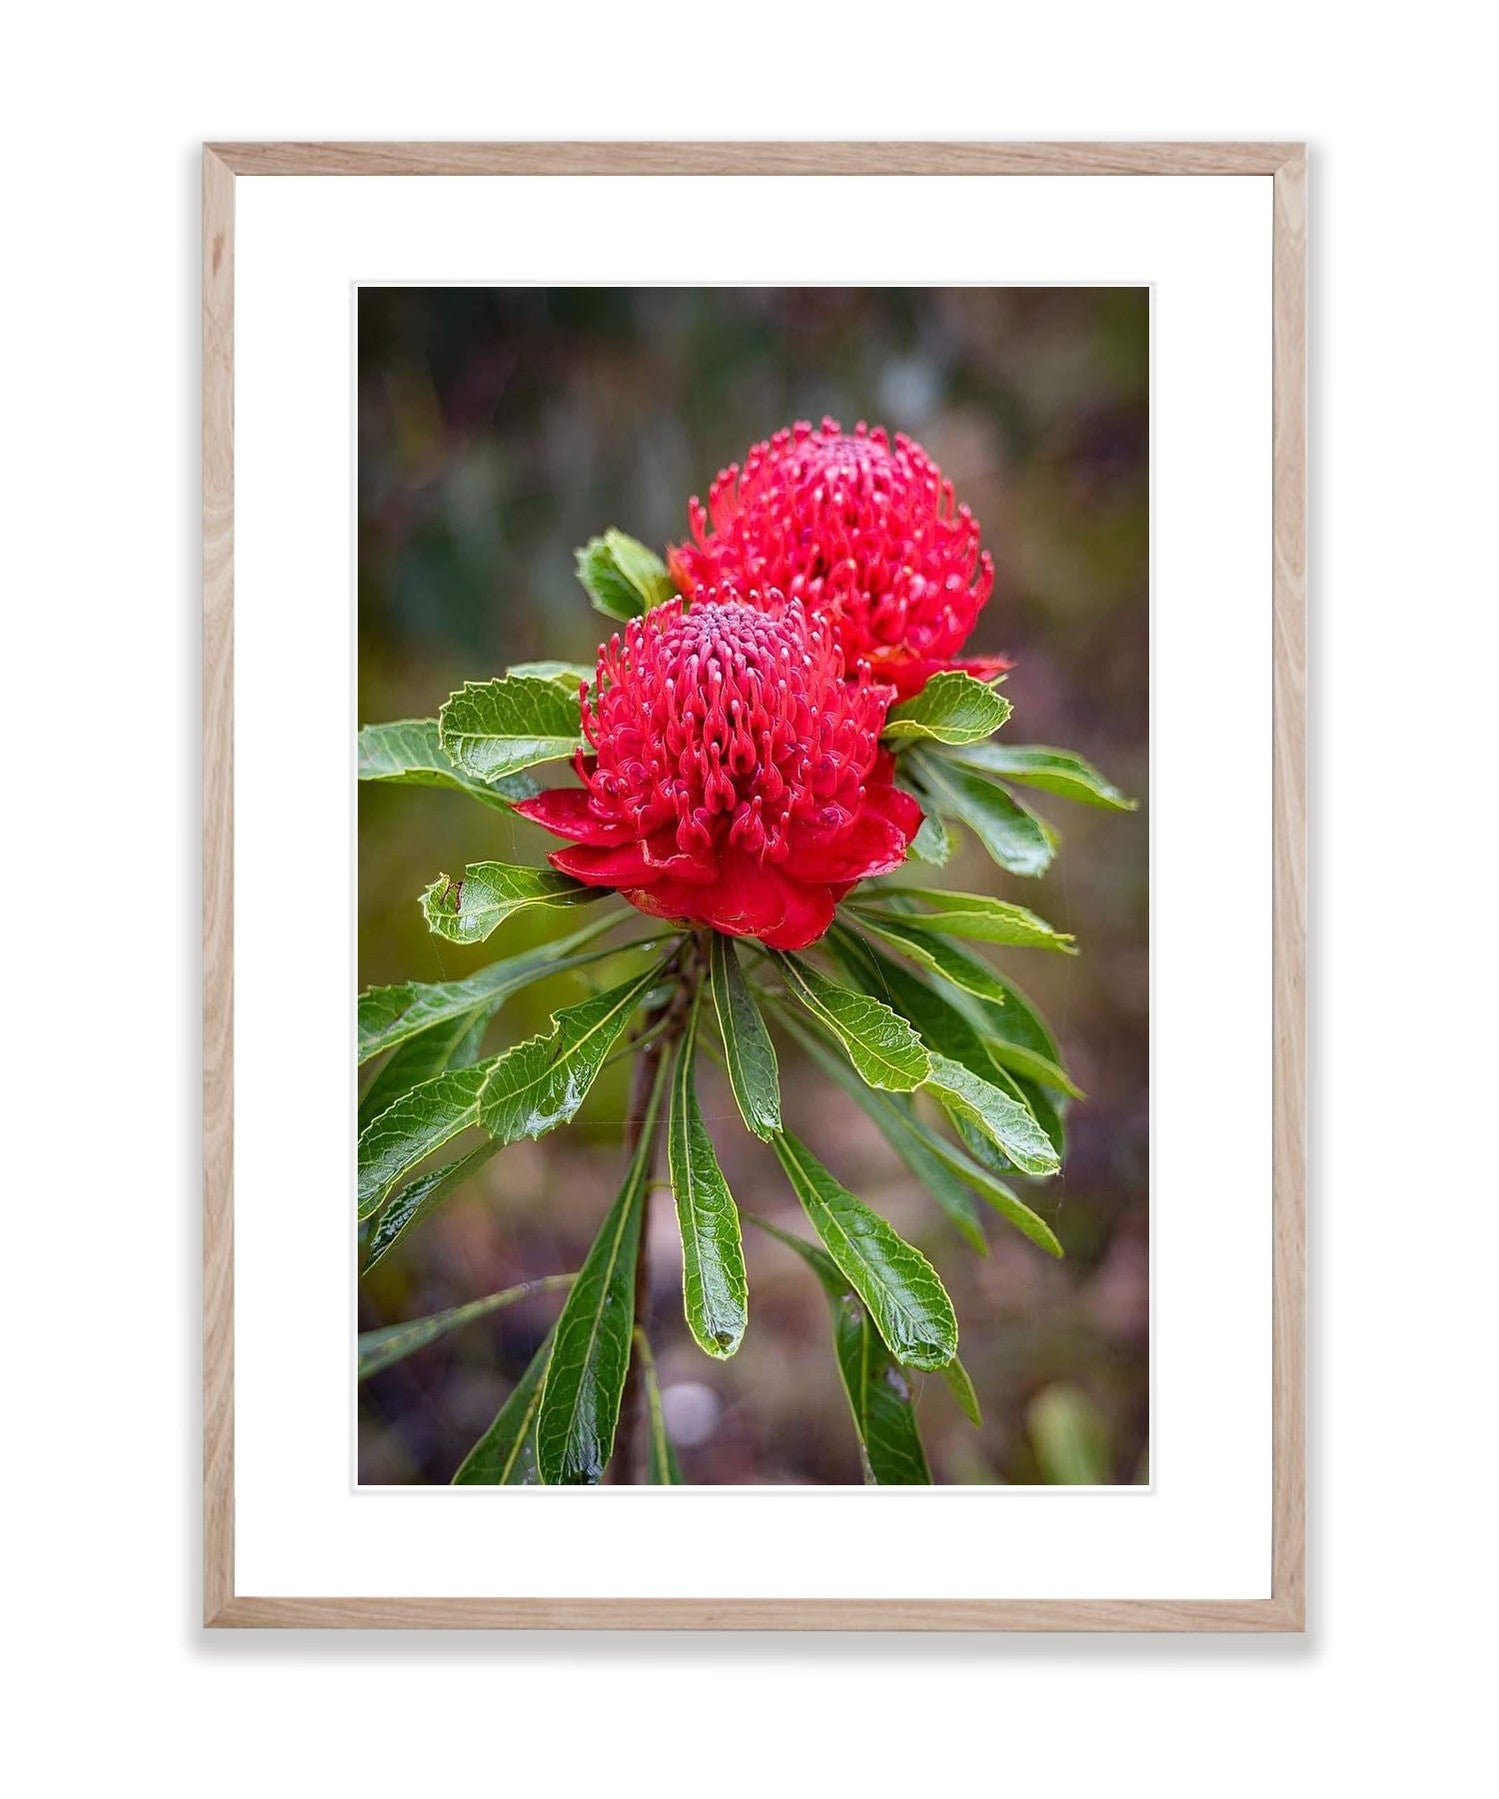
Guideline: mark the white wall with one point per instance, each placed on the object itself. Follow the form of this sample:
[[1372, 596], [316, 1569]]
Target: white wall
[[105, 109]]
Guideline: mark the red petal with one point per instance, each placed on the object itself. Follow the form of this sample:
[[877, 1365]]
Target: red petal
[[670, 900], [727, 905], [985, 667], [899, 807], [666, 862], [679, 566], [874, 846], [881, 793], [909, 674], [887, 821], [808, 915], [747, 900], [900, 670], [602, 866], [567, 812]]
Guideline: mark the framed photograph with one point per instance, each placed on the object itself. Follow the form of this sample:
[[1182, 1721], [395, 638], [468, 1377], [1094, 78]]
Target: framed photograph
[[754, 886]]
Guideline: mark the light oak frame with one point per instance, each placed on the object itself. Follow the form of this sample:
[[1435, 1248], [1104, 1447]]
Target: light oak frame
[[1285, 164]]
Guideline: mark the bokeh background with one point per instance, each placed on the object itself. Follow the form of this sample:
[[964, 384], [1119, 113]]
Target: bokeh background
[[499, 428]]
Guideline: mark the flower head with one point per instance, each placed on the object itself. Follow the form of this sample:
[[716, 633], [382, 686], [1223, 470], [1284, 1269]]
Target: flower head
[[862, 530], [737, 778]]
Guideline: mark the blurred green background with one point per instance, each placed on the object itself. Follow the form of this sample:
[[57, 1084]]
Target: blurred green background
[[499, 428]]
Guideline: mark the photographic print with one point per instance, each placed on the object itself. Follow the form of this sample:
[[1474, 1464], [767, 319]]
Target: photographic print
[[753, 886]]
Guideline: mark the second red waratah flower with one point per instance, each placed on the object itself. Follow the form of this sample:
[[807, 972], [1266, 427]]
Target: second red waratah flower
[[857, 526], [737, 779]]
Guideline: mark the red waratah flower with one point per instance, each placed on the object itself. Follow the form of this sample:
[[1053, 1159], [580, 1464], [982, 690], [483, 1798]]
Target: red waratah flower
[[858, 528], [737, 778]]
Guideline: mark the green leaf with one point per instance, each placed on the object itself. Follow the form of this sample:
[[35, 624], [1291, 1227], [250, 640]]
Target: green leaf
[[932, 842], [1046, 1108], [921, 1148], [1015, 838], [1019, 1039], [469, 909], [541, 1083], [412, 1127], [522, 1092], [1013, 1036], [749, 1054], [661, 1469], [455, 1043], [961, 1387], [418, 1199], [505, 1456], [829, 1274], [494, 728], [567, 675], [908, 1302], [408, 753], [640, 566], [942, 1024], [882, 1047], [1023, 1092], [389, 1016], [1033, 1099], [1054, 771], [953, 707], [973, 915], [380, 1349], [904, 1135], [878, 1393], [585, 1380], [621, 576], [982, 1181], [880, 1397], [608, 589], [1070, 1440], [1021, 1060], [954, 965], [715, 1292], [1005, 1121]]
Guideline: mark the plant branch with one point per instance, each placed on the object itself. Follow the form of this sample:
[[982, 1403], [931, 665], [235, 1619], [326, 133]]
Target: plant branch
[[663, 1026]]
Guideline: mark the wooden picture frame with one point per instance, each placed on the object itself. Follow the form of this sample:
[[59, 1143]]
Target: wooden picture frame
[[1285, 163]]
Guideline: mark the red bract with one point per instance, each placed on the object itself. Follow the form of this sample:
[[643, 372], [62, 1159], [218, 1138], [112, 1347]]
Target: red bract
[[737, 778], [859, 528]]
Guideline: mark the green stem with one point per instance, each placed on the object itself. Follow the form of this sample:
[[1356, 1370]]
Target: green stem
[[382, 1348], [634, 1047], [664, 1025]]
